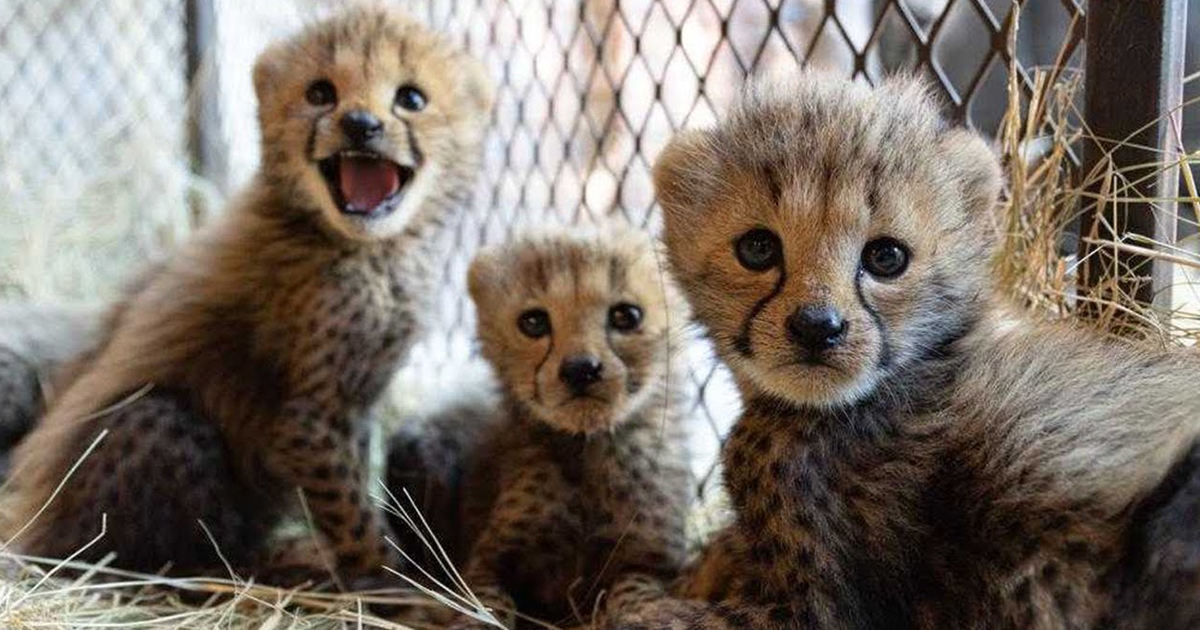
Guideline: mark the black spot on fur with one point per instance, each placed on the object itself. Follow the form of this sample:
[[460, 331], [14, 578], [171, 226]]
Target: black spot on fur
[[418, 156]]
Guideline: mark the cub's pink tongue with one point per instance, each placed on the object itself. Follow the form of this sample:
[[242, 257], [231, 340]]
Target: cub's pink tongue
[[366, 182]]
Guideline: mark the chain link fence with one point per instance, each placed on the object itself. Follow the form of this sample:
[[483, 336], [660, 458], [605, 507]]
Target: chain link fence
[[98, 170], [92, 149]]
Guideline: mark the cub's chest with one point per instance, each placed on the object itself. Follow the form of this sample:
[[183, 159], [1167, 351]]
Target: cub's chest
[[353, 319], [858, 485], [365, 299]]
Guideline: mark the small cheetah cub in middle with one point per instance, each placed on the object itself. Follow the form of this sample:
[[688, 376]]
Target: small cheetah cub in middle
[[580, 483]]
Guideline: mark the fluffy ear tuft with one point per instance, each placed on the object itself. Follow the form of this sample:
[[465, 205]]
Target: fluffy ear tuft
[[266, 70], [684, 173], [481, 277], [977, 169]]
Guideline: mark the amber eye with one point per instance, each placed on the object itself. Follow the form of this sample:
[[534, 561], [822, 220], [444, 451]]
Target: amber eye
[[885, 258], [759, 249], [534, 323], [321, 93], [410, 98], [625, 317]]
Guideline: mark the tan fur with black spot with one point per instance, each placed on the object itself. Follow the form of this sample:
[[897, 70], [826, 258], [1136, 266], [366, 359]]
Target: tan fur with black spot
[[265, 341], [571, 491], [940, 461]]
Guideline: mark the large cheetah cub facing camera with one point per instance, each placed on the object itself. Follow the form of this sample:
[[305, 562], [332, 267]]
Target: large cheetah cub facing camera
[[242, 369], [907, 456], [580, 481]]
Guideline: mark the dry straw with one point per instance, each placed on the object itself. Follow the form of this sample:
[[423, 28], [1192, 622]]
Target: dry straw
[[1039, 139]]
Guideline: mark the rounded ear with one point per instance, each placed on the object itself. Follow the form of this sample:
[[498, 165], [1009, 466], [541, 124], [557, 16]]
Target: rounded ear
[[976, 168], [684, 173], [266, 70], [481, 276]]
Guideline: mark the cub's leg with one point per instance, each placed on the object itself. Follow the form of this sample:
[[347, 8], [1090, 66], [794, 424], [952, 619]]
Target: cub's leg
[[711, 575], [427, 465], [635, 497], [428, 458], [644, 605], [533, 524], [704, 598], [301, 559], [315, 449], [162, 477], [20, 401]]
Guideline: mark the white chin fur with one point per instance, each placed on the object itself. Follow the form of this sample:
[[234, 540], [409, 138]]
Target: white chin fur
[[808, 391]]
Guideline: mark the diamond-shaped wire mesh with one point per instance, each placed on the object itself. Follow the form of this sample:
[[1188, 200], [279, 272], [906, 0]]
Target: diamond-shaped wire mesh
[[589, 91], [92, 95]]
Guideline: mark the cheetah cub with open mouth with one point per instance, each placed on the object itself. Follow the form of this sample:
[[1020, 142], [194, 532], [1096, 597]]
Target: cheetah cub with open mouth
[[909, 455], [579, 482], [243, 369]]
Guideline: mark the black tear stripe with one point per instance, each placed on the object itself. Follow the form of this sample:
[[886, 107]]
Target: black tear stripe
[[537, 390], [310, 145], [418, 157], [885, 349], [741, 343]]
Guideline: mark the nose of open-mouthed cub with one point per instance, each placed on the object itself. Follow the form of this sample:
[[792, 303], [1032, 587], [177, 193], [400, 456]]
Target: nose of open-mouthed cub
[[361, 126]]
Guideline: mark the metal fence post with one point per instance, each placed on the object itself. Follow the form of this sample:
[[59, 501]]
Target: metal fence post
[[1134, 90], [200, 22]]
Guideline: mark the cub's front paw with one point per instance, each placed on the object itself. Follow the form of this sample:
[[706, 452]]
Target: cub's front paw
[[667, 613], [464, 622]]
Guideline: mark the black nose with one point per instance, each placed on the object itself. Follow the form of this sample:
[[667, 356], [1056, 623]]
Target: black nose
[[580, 371], [360, 126], [817, 328]]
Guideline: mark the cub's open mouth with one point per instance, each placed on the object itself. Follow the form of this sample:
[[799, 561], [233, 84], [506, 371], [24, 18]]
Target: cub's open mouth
[[363, 183]]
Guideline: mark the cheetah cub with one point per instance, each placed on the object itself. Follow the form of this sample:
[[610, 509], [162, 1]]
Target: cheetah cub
[[242, 369], [581, 479], [39, 345], [910, 455]]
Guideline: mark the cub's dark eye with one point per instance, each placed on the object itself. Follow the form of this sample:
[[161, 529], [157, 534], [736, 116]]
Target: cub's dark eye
[[759, 249], [625, 317], [410, 98], [321, 93], [885, 258], [534, 323]]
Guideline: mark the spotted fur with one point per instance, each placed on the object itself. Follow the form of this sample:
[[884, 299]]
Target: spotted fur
[[566, 493], [242, 368], [40, 345], [943, 463]]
